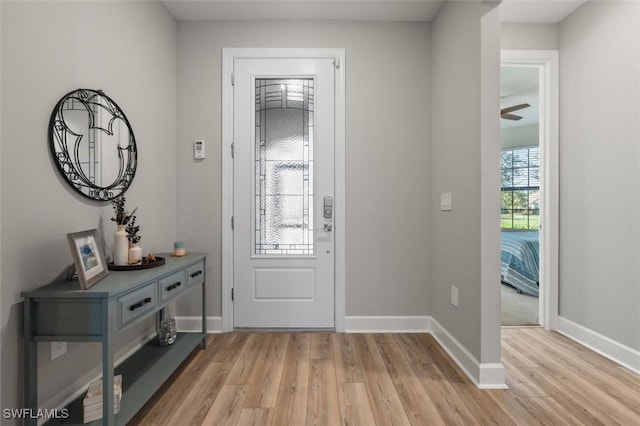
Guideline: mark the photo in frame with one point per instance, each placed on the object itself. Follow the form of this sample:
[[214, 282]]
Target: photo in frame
[[88, 257]]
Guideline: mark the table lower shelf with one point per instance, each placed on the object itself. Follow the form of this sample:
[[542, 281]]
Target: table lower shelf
[[142, 375]]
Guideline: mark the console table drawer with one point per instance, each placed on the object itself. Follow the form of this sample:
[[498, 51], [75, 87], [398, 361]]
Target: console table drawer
[[137, 303], [195, 273], [172, 285]]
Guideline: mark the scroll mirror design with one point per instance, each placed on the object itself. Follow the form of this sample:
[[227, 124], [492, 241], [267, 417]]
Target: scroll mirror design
[[92, 144]]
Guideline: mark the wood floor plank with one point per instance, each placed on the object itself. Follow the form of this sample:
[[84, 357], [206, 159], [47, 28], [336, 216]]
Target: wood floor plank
[[520, 382], [513, 354], [385, 402], [246, 366], [321, 378], [355, 408], [448, 403], [291, 401], [172, 394], [416, 402], [585, 411], [202, 395], [592, 368], [321, 346], [416, 350], [300, 338], [322, 400], [255, 417], [348, 369], [513, 405], [394, 359], [607, 408], [268, 372], [485, 410], [227, 408], [231, 348]]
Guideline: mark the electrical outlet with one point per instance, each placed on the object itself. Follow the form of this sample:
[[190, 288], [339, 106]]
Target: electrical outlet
[[58, 349], [454, 296]]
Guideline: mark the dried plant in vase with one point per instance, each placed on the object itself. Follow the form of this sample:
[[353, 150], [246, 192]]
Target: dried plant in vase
[[120, 240], [135, 251], [121, 216]]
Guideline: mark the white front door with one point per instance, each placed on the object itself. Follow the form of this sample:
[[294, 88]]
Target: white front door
[[283, 168]]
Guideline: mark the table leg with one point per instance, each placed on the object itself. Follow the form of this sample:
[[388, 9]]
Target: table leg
[[30, 364], [107, 362], [204, 316]]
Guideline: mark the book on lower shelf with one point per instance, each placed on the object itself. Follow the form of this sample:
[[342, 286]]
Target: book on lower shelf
[[92, 402], [96, 413]]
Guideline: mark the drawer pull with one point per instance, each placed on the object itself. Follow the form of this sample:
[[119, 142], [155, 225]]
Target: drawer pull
[[140, 304], [174, 286], [195, 274]]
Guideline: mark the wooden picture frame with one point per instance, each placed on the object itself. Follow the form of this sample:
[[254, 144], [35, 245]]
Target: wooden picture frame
[[88, 257]]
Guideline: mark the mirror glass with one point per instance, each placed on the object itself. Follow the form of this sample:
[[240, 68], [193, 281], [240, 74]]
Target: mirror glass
[[92, 144]]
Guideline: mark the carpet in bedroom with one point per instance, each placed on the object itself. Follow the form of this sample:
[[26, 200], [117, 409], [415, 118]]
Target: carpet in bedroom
[[518, 309]]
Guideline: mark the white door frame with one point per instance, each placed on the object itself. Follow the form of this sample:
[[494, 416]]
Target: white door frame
[[547, 62], [228, 56]]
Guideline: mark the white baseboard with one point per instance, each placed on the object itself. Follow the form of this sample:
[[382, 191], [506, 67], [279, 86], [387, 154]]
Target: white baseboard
[[387, 324], [484, 376], [615, 351], [194, 324], [79, 387]]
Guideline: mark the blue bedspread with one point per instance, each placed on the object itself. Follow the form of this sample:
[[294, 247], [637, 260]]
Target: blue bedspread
[[520, 260]]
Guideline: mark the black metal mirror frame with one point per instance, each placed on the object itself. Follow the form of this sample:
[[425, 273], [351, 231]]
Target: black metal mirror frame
[[68, 163]]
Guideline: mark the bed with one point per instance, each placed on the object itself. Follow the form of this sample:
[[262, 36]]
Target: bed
[[520, 260]]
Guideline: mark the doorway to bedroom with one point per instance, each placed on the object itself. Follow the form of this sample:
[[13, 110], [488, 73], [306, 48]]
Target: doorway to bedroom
[[530, 186], [520, 171]]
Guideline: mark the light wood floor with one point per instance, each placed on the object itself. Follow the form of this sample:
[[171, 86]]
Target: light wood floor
[[383, 379]]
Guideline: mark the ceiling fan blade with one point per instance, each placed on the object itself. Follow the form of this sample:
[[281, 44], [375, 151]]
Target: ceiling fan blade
[[510, 117], [514, 108]]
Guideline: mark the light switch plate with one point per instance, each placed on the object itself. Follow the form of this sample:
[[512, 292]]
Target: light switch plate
[[445, 202]]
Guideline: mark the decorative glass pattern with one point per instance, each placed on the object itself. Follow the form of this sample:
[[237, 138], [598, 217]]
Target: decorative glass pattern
[[520, 188], [284, 167]]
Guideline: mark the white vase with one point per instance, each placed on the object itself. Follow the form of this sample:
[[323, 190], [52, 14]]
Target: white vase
[[120, 247], [135, 254]]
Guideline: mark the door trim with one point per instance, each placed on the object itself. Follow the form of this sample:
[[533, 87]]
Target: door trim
[[228, 56], [547, 62]]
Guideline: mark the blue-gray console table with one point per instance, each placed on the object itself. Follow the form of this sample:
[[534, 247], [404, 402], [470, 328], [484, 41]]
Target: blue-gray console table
[[61, 311]]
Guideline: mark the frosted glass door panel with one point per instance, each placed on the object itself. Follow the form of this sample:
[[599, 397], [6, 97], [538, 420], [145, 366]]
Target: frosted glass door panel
[[283, 167]]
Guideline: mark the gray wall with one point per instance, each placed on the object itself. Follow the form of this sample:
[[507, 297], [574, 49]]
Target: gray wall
[[529, 36], [388, 105], [464, 250], [1, 307], [128, 49], [599, 173]]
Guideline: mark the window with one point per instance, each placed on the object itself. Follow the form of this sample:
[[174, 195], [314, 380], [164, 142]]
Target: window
[[284, 166], [520, 188]]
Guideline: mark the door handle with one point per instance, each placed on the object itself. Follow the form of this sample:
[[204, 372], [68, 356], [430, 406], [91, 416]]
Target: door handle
[[327, 227]]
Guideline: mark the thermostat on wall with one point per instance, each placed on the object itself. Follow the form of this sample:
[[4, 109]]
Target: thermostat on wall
[[198, 149]]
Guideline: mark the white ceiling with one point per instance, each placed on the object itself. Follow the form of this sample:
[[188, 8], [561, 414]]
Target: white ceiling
[[521, 11], [538, 11], [520, 85], [316, 10]]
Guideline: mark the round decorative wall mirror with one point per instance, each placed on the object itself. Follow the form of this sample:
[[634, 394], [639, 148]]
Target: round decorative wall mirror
[[92, 144]]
